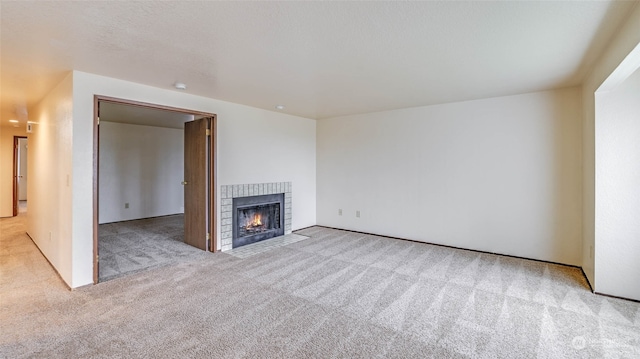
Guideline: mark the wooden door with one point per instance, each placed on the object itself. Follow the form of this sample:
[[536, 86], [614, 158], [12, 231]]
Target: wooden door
[[22, 169], [16, 175], [195, 182]]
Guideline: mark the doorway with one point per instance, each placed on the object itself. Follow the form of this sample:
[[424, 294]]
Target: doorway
[[146, 189], [616, 248], [20, 147]]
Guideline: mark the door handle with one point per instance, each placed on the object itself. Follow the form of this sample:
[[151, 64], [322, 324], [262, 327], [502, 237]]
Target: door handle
[[184, 183]]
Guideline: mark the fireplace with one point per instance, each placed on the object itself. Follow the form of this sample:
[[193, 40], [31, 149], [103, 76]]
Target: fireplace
[[233, 192], [256, 218]]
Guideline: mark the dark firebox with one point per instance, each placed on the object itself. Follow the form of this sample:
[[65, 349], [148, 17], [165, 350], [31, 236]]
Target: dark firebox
[[257, 218]]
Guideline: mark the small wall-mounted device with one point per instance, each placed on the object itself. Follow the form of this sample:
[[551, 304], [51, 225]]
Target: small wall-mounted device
[[29, 127]]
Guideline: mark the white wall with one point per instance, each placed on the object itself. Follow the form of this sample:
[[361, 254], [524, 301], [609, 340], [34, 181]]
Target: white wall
[[626, 39], [49, 217], [6, 167], [500, 175], [285, 146], [617, 230], [142, 166]]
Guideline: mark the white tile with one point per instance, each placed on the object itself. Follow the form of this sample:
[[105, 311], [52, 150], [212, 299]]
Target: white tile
[[267, 245]]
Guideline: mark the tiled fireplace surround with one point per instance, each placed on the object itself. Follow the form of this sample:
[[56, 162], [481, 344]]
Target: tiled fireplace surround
[[229, 192]]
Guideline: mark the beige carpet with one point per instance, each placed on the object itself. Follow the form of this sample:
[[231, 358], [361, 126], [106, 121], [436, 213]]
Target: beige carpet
[[337, 294]]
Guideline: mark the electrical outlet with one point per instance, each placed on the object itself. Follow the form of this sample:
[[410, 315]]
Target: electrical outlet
[[50, 235], [126, 205], [358, 214], [340, 212]]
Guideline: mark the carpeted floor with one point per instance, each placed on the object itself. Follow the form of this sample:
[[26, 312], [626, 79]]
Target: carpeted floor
[[337, 294], [132, 246]]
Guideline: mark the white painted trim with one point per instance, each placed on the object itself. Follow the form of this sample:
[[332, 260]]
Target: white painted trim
[[627, 67]]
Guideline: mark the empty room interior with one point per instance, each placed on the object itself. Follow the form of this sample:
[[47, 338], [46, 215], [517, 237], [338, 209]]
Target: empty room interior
[[320, 179], [141, 200]]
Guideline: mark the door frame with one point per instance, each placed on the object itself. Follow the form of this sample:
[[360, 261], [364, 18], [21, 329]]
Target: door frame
[[97, 99], [15, 172]]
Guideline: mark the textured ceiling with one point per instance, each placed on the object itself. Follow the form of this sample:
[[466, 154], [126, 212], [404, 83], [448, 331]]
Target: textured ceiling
[[319, 59]]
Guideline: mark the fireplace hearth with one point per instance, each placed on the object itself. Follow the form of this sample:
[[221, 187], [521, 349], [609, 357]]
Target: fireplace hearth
[[256, 218]]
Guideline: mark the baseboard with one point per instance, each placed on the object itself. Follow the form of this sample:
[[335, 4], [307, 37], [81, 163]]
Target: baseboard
[[587, 278], [453, 247], [48, 261], [616, 297], [138, 219], [302, 229]]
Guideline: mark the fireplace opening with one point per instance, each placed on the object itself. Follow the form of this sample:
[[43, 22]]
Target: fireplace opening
[[257, 218]]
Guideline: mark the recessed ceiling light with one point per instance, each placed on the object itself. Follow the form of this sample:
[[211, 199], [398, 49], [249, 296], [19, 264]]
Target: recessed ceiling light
[[280, 107], [180, 86], [13, 121]]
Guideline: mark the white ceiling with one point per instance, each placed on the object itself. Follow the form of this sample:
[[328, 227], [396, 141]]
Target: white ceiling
[[319, 59], [137, 115]]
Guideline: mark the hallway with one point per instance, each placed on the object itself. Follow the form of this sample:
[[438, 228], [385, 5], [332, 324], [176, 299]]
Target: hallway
[[24, 271]]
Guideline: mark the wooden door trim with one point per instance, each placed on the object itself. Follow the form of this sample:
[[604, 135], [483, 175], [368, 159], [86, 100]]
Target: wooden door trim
[[15, 173], [213, 225], [97, 99], [152, 105], [96, 158]]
